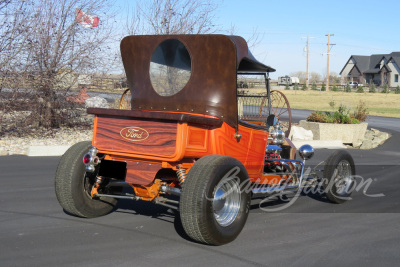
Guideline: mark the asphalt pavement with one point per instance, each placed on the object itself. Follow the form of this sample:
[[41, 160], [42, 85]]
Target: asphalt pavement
[[365, 231]]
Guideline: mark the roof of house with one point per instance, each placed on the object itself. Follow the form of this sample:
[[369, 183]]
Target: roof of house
[[396, 58], [371, 64], [372, 71]]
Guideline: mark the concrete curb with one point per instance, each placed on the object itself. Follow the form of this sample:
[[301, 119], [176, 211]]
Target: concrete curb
[[43, 151], [328, 144]]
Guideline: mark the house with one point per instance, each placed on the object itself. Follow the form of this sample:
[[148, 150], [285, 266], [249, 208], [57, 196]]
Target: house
[[379, 69]]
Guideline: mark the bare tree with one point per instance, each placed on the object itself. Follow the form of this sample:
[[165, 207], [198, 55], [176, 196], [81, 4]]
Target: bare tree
[[252, 40], [315, 77], [13, 29], [53, 49], [172, 17], [334, 78]]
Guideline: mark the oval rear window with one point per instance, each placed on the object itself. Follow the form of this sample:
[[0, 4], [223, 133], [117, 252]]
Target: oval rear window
[[170, 67]]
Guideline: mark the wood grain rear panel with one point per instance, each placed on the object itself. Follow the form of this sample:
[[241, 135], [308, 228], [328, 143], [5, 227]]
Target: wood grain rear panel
[[136, 136], [141, 173]]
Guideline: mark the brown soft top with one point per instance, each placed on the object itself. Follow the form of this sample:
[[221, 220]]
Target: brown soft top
[[215, 61]]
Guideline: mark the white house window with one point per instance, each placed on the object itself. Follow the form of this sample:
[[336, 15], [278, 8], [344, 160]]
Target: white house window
[[396, 78]]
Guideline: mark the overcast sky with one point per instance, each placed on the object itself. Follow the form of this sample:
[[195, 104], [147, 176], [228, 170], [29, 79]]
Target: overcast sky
[[360, 27]]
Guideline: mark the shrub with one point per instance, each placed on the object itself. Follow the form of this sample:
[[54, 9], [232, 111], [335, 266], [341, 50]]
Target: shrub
[[341, 116], [354, 121], [304, 87], [385, 89], [397, 91], [323, 87], [347, 88], [314, 86], [332, 117], [372, 88], [360, 89], [361, 112], [287, 87], [332, 103], [296, 86], [318, 116], [334, 88]]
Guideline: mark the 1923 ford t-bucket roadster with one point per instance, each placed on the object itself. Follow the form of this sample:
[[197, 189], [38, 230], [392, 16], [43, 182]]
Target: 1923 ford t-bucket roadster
[[188, 141]]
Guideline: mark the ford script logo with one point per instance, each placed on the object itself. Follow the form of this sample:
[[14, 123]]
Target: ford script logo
[[134, 134]]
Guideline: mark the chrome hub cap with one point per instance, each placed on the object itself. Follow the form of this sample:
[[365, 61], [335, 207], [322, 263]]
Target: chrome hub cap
[[226, 201], [343, 178]]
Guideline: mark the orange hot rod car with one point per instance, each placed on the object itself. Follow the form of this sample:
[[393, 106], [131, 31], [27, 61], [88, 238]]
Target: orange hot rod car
[[190, 140]]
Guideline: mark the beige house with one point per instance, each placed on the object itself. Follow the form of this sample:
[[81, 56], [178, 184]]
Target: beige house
[[378, 69]]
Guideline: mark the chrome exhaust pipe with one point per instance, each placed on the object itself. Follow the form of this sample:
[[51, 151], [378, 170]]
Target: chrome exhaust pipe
[[170, 190], [118, 196]]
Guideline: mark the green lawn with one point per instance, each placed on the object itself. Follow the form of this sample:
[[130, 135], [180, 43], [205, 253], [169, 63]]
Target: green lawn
[[377, 103]]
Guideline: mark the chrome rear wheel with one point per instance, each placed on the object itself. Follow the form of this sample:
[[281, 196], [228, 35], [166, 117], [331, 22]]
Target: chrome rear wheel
[[226, 202], [214, 204]]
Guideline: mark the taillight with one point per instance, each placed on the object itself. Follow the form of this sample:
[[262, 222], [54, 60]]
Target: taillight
[[91, 160], [87, 158]]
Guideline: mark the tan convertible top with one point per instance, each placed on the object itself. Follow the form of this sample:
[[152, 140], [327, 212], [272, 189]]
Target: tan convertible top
[[213, 60]]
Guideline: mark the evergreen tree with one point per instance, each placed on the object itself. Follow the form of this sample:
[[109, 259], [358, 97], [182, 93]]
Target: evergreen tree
[[314, 86], [372, 88]]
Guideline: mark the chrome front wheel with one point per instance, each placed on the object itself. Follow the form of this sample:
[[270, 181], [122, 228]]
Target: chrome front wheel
[[339, 175], [343, 178]]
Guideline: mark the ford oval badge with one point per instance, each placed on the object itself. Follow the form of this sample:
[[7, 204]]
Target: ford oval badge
[[135, 134]]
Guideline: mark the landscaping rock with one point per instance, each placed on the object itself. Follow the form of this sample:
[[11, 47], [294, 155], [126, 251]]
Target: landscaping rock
[[369, 135], [374, 138], [300, 134], [357, 144], [367, 144], [96, 102]]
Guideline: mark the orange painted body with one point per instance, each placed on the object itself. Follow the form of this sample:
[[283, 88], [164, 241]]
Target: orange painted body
[[168, 144]]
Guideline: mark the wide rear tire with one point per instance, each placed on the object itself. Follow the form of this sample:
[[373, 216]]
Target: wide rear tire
[[214, 204], [73, 185]]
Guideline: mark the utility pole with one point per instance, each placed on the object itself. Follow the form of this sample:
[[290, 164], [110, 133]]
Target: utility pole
[[308, 52], [327, 66], [307, 64]]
